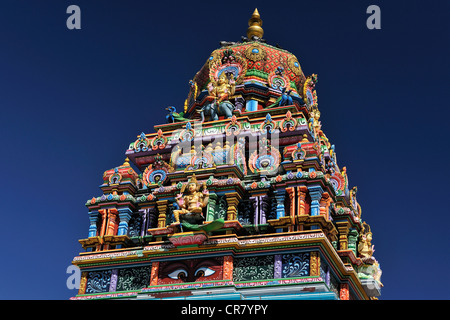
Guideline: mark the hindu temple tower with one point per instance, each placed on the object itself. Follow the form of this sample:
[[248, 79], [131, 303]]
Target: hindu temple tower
[[238, 195]]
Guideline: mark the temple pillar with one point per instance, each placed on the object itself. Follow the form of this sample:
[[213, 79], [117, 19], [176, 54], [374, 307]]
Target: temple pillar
[[279, 196], [104, 216], [144, 225], [152, 218], [324, 204], [162, 209], [352, 239], [149, 219], [112, 222], [264, 207], [124, 216], [93, 219], [343, 228], [315, 192], [232, 202], [255, 204], [291, 194], [211, 208], [301, 200], [103, 213], [261, 207]]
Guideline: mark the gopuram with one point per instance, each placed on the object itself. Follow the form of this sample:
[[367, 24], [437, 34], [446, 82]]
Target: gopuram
[[238, 195]]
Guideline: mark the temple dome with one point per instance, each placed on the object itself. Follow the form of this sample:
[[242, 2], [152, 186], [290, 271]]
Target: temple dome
[[260, 70], [256, 59]]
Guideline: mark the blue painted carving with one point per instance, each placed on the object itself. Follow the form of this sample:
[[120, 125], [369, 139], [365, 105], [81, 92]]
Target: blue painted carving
[[133, 278], [295, 265], [253, 268], [98, 281]]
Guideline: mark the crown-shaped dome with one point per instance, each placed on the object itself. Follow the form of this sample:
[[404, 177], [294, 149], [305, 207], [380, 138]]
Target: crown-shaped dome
[[249, 60], [252, 69]]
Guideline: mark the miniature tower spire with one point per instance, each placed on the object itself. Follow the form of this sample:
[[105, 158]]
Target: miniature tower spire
[[255, 24]]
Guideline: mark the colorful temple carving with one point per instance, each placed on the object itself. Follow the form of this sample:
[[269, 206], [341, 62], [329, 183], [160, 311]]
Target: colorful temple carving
[[237, 196]]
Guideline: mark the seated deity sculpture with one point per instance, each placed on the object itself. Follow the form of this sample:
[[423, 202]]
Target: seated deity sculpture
[[191, 202], [219, 94]]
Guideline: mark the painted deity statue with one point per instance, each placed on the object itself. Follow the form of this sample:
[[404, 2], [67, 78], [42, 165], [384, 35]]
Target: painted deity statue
[[223, 90], [365, 247], [315, 124], [219, 93], [191, 202]]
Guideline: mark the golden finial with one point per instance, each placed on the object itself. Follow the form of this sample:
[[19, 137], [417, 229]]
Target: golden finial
[[255, 24], [126, 163]]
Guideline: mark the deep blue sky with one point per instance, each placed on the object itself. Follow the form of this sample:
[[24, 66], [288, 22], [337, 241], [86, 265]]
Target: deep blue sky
[[72, 100]]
